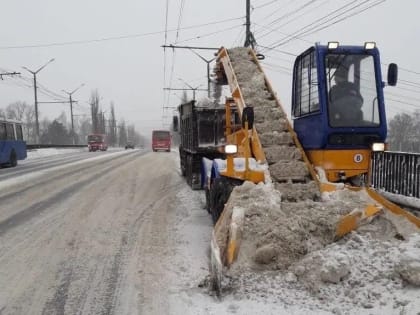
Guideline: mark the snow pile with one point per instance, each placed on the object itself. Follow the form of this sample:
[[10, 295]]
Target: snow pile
[[409, 264], [277, 234], [287, 253], [37, 153]]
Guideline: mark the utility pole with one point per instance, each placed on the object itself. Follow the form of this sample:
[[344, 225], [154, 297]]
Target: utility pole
[[249, 37], [36, 97], [71, 107]]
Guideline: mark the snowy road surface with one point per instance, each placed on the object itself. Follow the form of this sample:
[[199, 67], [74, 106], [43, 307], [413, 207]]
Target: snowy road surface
[[122, 233], [92, 238]]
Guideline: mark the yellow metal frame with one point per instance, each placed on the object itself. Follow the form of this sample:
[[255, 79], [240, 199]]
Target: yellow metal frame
[[256, 150], [336, 162], [241, 138]]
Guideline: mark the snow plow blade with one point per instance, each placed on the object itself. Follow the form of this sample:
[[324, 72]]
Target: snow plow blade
[[355, 219]]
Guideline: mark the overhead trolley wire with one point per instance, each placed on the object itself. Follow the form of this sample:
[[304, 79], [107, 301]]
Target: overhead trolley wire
[[89, 41], [282, 7], [181, 9], [164, 53], [317, 21], [346, 17], [212, 33], [316, 25], [271, 29], [264, 4], [286, 15]]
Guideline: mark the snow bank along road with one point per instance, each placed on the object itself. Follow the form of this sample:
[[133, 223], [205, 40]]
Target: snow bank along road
[[91, 237]]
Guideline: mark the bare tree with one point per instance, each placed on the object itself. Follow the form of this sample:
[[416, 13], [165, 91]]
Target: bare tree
[[85, 129], [94, 108], [112, 126], [402, 133], [122, 134], [23, 112]]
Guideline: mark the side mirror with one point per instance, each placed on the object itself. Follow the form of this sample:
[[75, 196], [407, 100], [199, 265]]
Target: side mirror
[[248, 116], [392, 74]]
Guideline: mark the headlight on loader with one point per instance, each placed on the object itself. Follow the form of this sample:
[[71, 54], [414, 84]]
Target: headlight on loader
[[378, 147], [231, 149]]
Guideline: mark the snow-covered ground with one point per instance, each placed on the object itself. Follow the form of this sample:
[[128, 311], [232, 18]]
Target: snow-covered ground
[[37, 153], [375, 270]]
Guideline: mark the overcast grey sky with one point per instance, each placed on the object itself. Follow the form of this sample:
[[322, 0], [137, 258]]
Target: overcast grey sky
[[128, 66]]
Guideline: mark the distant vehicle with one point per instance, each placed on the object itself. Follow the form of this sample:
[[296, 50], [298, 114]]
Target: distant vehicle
[[129, 145], [12, 145], [161, 140], [97, 142]]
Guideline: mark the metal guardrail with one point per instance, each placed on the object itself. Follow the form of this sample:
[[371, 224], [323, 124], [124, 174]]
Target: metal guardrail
[[45, 146], [396, 172]]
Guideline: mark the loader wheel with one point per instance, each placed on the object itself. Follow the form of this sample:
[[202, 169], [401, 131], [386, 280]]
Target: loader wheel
[[219, 194]]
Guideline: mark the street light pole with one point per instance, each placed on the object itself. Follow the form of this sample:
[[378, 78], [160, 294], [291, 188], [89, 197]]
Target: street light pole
[[36, 97], [208, 70], [192, 88], [71, 107]]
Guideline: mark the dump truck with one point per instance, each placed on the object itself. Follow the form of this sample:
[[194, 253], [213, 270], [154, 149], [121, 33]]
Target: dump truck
[[328, 147], [201, 130]]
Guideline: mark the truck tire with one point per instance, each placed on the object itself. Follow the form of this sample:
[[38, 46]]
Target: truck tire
[[207, 193], [182, 162], [189, 161], [219, 194], [13, 159]]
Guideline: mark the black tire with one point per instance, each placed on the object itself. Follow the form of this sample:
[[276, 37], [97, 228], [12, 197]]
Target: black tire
[[13, 159], [220, 190], [207, 192], [189, 169], [219, 194], [182, 162]]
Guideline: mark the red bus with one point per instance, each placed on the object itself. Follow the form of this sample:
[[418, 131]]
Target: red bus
[[97, 142], [161, 140]]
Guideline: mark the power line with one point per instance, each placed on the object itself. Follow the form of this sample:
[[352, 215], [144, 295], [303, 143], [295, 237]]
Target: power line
[[282, 7], [181, 10], [88, 41], [286, 15], [315, 26], [210, 34], [346, 17], [290, 21], [301, 30], [264, 5], [164, 49], [277, 31]]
